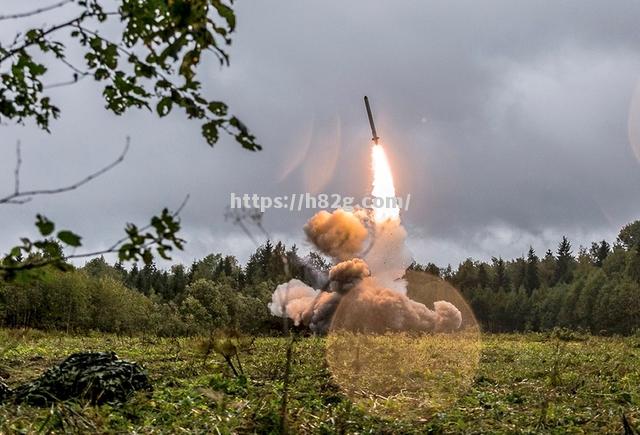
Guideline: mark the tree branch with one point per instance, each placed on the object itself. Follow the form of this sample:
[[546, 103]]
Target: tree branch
[[114, 248], [110, 250], [20, 197], [9, 53], [35, 11]]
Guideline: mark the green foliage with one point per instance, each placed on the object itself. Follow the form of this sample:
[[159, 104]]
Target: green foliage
[[164, 238], [217, 293], [596, 292], [151, 62], [629, 236], [212, 295], [139, 244]]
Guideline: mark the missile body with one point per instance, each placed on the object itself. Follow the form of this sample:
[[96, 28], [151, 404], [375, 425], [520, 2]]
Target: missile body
[[373, 126]]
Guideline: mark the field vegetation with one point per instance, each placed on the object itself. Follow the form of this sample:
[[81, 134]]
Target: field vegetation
[[529, 383]]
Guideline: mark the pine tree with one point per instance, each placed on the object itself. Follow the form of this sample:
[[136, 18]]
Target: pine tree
[[547, 269], [531, 280], [447, 273], [483, 276], [132, 277], [500, 277], [178, 281], [432, 269], [266, 258], [519, 270], [564, 262], [466, 277], [599, 252]]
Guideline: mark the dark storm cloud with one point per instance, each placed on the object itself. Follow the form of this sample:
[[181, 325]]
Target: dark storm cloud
[[506, 121]]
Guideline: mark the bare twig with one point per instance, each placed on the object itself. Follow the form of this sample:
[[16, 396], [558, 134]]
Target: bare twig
[[20, 197], [76, 79], [242, 215], [78, 75], [35, 11]]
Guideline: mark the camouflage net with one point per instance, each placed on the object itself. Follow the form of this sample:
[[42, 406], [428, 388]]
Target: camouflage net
[[5, 391], [94, 377]]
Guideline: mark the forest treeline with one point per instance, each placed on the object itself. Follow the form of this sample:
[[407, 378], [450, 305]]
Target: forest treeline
[[596, 289]]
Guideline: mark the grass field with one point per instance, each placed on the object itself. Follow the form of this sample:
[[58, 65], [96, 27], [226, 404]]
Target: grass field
[[530, 383]]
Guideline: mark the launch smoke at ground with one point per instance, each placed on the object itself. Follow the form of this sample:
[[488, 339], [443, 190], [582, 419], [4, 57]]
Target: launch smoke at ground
[[397, 343], [371, 288]]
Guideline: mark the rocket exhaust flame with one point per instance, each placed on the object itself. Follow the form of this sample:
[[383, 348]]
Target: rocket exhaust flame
[[383, 187]]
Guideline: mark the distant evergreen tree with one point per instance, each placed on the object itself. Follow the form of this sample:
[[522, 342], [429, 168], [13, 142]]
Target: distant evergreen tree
[[145, 280], [265, 258], [599, 252], [209, 268], [466, 277], [177, 282], [131, 280], [547, 269], [121, 271], [531, 279], [99, 268], [483, 276], [564, 262], [500, 277], [318, 262], [432, 269], [294, 263], [416, 266], [447, 273], [519, 271], [276, 269]]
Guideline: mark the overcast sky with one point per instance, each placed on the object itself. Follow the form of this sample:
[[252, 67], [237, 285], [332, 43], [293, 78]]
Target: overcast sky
[[509, 123]]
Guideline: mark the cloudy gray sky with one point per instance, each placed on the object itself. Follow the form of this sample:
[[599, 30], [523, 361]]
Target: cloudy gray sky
[[508, 123]]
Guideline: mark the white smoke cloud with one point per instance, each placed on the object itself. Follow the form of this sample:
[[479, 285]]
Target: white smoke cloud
[[366, 292], [388, 256], [291, 299]]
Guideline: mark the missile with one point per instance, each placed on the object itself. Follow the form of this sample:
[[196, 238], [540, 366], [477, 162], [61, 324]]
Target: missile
[[373, 126]]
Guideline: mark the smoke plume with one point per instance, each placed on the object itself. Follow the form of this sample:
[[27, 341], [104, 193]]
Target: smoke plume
[[366, 292], [291, 299], [340, 235]]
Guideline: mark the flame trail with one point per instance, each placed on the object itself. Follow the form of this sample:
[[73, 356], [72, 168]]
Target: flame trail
[[383, 187]]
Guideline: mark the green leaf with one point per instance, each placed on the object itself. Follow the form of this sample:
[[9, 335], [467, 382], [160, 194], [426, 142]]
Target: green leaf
[[164, 106], [45, 226], [69, 238], [218, 108], [210, 132], [227, 13]]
